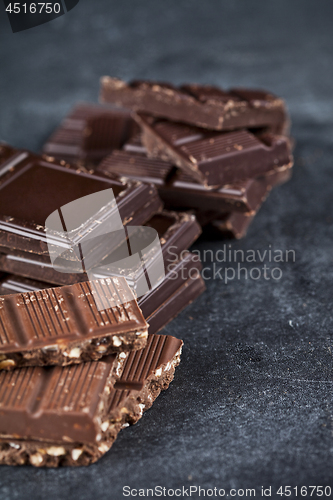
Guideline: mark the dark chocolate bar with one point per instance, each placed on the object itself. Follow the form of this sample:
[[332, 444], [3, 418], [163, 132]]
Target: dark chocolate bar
[[46, 186], [233, 225], [177, 231], [201, 105], [11, 284], [214, 158], [181, 285], [70, 416], [179, 191], [90, 132], [65, 325]]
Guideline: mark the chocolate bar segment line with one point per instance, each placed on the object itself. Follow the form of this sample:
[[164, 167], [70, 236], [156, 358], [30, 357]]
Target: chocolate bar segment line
[[90, 132], [176, 230], [65, 325], [46, 186], [147, 373], [201, 105], [214, 159], [58, 403], [179, 191]]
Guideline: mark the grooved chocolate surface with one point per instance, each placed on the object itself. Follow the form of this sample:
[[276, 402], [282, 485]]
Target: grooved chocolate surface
[[177, 231], [67, 404], [214, 159], [179, 190], [201, 105], [139, 365], [57, 316], [90, 132], [57, 403]]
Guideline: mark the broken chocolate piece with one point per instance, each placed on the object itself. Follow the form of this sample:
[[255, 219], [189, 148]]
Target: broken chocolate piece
[[90, 132], [179, 191], [214, 158], [177, 231], [65, 325], [11, 284], [46, 186], [71, 415], [201, 105], [233, 225]]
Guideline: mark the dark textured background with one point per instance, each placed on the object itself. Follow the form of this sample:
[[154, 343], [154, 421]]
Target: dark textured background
[[251, 404]]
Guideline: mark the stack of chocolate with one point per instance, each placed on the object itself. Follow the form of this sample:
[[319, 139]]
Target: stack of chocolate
[[72, 373], [216, 153]]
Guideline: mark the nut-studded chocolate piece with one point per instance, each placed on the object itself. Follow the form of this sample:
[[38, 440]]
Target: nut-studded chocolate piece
[[70, 324], [201, 105], [72, 415]]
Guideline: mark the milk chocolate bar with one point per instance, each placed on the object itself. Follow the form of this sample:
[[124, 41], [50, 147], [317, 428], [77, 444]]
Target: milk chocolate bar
[[46, 186], [214, 158], [179, 191], [65, 325], [90, 132], [177, 231], [201, 105], [70, 416]]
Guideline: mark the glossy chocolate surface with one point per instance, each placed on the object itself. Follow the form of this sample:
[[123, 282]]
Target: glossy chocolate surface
[[31, 188], [60, 316], [214, 158], [201, 105], [90, 132]]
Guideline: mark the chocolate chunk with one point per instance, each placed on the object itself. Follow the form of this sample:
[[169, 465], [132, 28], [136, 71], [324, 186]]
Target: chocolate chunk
[[177, 231], [235, 224], [161, 303], [232, 225], [179, 191], [65, 325], [89, 133], [72, 415], [181, 285], [11, 284], [214, 158], [46, 186], [201, 105], [185, 295]]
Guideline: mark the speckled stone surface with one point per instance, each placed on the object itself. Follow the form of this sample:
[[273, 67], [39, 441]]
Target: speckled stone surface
[[251, 404]]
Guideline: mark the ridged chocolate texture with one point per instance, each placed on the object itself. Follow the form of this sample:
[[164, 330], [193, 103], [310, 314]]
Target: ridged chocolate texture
[[89, 133], [58, 403], [140, 365], [201, 105], [46, 186], [68, 404], [10, 284], [178, 190], [181, 285], [67, 318], [214, 158]]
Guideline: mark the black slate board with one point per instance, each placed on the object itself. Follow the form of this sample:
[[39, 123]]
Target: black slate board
[[258, 410]]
